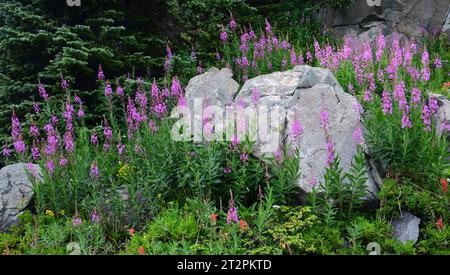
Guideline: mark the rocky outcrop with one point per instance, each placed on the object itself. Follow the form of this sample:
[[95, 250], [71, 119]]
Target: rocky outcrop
[[301, 94], [16, 191], [411, 18], [274, 102], [406, 228]]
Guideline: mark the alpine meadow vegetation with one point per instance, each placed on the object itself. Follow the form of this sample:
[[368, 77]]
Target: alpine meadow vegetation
[[114, 181]]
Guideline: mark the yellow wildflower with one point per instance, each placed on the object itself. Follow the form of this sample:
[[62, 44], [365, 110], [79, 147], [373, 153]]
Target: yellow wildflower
[[49, 213]]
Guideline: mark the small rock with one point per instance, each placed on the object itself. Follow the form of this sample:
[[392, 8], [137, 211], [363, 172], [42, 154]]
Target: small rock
[[16, 191], [406, 228]]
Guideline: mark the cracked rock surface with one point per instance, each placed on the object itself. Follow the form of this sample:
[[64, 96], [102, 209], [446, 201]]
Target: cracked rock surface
[[410, 18]]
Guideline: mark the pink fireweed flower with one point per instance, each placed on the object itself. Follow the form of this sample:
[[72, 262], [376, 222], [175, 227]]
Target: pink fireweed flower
[[227, 170], [68, 142], [425, 58], [426, 117], [76, 99], [309, 57], [285, 45], [324, 120], [95, 174], [42, 92], [293, 57], [268, 27], [367, 95], [107, 132], [175, 87], [64, 83], [106, 146], [387, 103], [119, 90], [244, 157], [19, 146], [154, 90], [438, 63], [50, 166], [80, 112], [232, 215], [199, 69], [313, 181], [76, 221], [160, 109], [34, 131], [108, 91], [256, 95], [6, 151], [381, 43], [426, 73], [32, 170], [406, 122], [357, 136], [54, 119], [94, 139], [120, 149], [434, 105], [182, 101], [235, 140], [95, 217], [223, 36], [100, 74], [296, 129], [16, 128], [35, 151], [415, 95], [36, 107], [63, 161], [330, 153], [351, 89]]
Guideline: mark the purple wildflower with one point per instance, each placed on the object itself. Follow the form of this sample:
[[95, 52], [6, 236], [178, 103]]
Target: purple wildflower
[[223, 36], [100, 74], [95, 174], [330, 153], [232, 215], [76, 221], [406, 122], [95, 217], [50, 165], [227, 170]]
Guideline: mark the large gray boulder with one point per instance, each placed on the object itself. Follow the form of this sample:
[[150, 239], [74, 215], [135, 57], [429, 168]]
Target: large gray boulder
[[16, 191], [300, 94], [410, 18], [212, 88], [406, 227]]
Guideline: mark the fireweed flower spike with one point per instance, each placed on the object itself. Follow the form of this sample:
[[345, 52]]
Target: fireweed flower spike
[[76, 221], [233, 24], [232, 212], [95, 217], [95, 174], [64, 83], [100, 74], [6, 152], [42, 92]]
